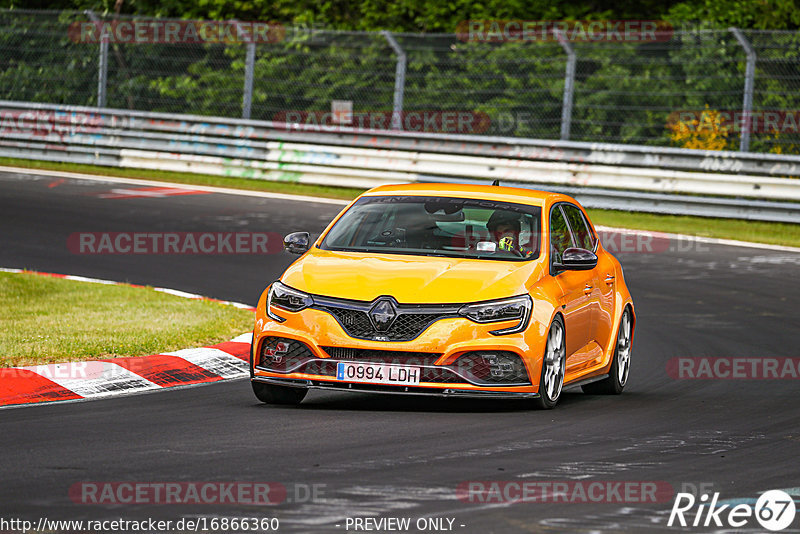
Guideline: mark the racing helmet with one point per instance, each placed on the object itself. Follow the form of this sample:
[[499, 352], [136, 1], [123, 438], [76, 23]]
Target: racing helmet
[[503, 217]]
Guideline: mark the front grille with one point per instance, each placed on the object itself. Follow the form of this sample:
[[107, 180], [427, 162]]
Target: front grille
[[428, 373], [319, 367], [442, 375], [410, 325], [355, 322], [396, 357], [410, 320]]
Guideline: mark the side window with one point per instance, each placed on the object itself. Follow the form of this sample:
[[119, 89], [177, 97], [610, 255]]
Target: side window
[[579, 226], [560, 239]]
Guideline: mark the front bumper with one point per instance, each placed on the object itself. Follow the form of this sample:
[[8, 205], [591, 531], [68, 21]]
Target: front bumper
[[445, 340], [450, 392]]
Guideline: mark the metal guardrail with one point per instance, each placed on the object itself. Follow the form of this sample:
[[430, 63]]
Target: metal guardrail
[[629, 177]]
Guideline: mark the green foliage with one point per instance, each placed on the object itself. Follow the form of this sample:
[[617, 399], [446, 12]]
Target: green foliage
[[751, 14], [433, 16], [624, 92], [39, 63]]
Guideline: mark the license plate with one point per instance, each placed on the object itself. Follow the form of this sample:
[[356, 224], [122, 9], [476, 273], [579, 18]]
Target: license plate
[[377, 373]]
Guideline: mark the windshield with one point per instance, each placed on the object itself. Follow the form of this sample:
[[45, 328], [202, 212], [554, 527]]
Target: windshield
[[437, 226]]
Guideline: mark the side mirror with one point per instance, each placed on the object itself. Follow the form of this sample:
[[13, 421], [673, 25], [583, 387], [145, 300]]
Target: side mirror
[[297, 242], [576, 259]]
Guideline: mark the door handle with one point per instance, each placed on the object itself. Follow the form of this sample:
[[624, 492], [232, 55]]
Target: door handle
[[588, 289], [609, 279]]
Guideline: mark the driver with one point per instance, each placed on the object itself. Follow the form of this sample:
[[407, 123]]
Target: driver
[[505, 228]]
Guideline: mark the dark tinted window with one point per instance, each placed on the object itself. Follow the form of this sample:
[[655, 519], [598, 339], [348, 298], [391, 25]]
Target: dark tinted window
[[579, 226]]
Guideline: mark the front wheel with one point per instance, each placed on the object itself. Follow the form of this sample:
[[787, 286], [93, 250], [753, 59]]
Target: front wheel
[[278, 394], [553, 366], [620, 365]]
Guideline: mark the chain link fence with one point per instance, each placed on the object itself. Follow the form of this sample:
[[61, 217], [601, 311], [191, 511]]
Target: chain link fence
[[690, 90]]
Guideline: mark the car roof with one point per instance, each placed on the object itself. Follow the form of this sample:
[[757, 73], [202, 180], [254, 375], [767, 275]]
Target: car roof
[[487, 192]]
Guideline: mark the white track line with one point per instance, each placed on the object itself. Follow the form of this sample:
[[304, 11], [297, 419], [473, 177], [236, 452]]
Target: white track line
[[320, 200], [210, 189]]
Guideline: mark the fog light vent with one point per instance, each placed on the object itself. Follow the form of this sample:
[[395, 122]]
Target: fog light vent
[[493, 368], [283, 354]]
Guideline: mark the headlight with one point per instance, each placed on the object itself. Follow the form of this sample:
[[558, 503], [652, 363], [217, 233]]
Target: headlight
[[501, 310], [285, 298]]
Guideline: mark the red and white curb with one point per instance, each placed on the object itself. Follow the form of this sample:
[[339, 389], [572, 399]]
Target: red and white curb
[[117, 376]]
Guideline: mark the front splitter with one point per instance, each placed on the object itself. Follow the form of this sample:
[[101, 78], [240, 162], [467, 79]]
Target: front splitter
[[394, 390]]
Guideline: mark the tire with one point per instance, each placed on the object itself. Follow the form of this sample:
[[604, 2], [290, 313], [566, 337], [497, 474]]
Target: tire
[[551, 382], [620, 364], [270, 394]]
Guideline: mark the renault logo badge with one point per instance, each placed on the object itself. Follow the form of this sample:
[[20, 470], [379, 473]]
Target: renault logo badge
[[383, 314]]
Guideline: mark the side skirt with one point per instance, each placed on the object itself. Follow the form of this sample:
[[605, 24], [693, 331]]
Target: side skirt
[[585, 381]]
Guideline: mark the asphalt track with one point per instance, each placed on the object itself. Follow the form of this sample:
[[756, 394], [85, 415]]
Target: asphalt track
[[385, 456]]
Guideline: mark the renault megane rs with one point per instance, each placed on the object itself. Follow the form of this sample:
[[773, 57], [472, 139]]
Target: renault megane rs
[[449, 290]]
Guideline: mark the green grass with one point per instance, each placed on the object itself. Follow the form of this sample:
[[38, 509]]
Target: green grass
[[50, 320], [755, 231]]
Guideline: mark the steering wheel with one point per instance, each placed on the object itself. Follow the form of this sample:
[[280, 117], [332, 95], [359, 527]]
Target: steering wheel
[[395, 237], [518, 252]]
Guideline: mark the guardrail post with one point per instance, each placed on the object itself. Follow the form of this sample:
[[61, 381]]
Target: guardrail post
[[399, 81], [749, 82], [102, 66], [569, 85]]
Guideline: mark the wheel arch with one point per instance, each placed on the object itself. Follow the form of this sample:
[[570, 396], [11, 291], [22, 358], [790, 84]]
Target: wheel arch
[[612, 340]]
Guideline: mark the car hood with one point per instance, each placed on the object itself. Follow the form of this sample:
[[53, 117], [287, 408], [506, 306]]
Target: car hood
[[409, 279]]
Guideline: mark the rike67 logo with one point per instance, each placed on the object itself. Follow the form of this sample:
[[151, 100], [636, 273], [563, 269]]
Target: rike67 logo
[[774, 510]]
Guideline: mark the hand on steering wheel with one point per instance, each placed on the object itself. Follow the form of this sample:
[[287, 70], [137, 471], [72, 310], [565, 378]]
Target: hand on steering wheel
[[507, 244]]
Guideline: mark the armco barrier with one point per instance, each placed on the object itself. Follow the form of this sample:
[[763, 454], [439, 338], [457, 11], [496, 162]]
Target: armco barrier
[[636, 178]]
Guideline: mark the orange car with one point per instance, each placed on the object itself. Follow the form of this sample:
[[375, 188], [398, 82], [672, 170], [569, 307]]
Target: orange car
[[451, 290]]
